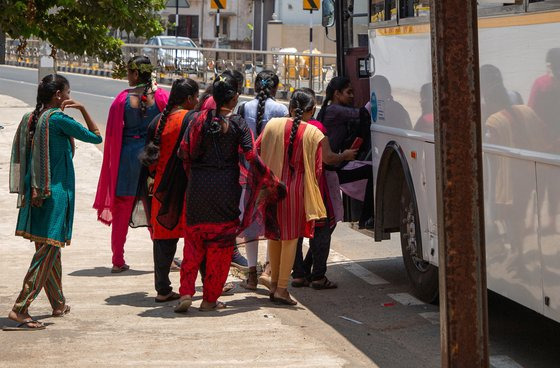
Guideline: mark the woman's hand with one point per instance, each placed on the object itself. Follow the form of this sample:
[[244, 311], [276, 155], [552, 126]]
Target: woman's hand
[[71, 104], [349, 154]]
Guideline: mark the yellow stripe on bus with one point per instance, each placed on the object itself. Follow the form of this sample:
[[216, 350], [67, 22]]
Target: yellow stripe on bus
[[493, 22]]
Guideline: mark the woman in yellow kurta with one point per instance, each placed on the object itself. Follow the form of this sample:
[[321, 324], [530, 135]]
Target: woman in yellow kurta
[[292, 150]]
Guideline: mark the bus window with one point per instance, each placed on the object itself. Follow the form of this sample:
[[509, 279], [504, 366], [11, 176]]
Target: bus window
[[543, 4], [414, 8], [382, 10]]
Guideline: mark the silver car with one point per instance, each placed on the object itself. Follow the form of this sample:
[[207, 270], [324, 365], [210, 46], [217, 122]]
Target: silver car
[[189, 60]]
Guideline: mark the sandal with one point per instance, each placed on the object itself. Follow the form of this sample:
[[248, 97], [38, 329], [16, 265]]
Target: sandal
[[279, 300], [170, 297], [252, 281], [183, 305], [323, 284], [300, 282], [218, 305], [61, 313], [24, 326], [117, 269], [228, 287]]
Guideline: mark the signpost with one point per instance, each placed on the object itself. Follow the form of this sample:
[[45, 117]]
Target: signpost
[[218, 5], [311, 5]]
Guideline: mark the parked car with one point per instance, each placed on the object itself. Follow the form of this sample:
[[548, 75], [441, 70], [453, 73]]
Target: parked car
[[190, 60]]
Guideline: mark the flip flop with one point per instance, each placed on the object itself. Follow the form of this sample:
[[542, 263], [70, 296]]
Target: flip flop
[[61, 313], [24, 326], [183, 306], [218, 305], [228, 287], [283, 301], [171, 297]]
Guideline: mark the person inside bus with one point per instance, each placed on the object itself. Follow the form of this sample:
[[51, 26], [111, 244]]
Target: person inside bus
[[545, 95], [425, 122], [390, 112], [490, 76], [512, 126], [344, 123]]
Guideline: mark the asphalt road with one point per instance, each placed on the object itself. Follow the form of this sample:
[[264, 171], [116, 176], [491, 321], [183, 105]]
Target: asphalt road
[[371, 319], [96, 93]]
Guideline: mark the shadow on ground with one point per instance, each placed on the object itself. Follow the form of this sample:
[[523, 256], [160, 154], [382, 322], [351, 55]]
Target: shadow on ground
[[106, 272]]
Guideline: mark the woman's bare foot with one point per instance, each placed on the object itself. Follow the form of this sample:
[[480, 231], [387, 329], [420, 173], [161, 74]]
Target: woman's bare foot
[[206, 306], [184, 304], [61, 311], [282, 296], [25, 318]]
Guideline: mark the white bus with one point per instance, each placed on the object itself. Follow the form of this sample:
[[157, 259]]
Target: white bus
[[519, 45]]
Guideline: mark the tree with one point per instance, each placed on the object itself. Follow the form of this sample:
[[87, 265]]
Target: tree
[[82, 26]]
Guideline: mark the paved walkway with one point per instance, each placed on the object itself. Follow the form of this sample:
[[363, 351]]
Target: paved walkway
[[114, 320]]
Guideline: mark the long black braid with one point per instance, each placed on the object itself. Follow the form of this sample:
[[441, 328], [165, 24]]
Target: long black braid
[[47, 88], [265, 83], [302, 101], [145, 77], [336, 84], [182, 89]]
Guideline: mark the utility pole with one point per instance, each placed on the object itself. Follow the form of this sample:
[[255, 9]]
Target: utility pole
[[460, 197]]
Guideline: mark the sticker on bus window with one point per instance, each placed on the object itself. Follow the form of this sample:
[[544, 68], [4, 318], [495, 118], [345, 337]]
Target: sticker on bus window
[[373, 107]]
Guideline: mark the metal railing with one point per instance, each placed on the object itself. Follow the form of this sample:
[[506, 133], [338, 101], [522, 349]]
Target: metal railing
[[295, 70]]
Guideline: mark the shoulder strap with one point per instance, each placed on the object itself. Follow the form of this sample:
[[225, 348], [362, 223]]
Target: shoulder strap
[[241, 109]]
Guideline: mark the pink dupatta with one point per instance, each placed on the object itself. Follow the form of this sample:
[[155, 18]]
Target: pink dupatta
[[107, 184]]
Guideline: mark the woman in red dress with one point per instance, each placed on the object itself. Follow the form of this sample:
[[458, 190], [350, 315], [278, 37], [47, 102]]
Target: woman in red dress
[[165, 133]]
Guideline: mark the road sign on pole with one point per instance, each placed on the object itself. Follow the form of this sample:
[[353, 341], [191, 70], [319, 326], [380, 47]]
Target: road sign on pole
[[219, 4], [311, 4]]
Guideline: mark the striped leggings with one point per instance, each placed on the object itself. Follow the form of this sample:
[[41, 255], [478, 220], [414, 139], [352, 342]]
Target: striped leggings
[[45, 271]]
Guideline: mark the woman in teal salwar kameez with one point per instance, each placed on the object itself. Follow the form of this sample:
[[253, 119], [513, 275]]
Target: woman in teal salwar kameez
[[42, 173]]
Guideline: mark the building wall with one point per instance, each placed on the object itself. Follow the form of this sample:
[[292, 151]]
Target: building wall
[[238, 14], [293, 35]]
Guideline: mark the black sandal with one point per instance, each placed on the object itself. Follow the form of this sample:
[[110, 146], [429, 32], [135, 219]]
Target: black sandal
[[171, 297], [279, 300], [323, 284]]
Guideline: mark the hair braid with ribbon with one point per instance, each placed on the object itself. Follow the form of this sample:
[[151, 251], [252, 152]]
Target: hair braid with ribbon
[[265, 83]]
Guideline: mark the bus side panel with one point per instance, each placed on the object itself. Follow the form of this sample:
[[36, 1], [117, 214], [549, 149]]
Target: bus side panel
[[402, 71], [511, 224], [548, 177], [521, 116]]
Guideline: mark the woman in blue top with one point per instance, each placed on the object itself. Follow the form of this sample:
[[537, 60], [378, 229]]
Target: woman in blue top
[[257, 113], [127, 129], [42, 173]]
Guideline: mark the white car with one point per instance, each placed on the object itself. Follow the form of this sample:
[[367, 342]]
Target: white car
[[190, 59]]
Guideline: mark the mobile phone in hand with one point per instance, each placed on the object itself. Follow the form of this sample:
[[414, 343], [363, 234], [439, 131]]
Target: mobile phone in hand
[[357, 143]]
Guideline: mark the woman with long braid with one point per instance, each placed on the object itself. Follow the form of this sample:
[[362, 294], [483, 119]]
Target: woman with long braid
[[211, 149], [164, 135], [292, 150], [42, 174], [257, 113], [127, 126]]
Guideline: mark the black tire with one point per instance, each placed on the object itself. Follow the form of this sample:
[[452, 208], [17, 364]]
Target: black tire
[[423, 276]]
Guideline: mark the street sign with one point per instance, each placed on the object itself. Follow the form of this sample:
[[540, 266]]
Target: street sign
[[311, 5], [218, 4]]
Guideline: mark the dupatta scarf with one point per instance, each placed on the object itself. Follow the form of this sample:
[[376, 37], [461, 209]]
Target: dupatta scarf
[[262, 188], [39, 164], [106, 187]]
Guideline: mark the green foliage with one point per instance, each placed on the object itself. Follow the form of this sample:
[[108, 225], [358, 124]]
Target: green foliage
[[82, 26]]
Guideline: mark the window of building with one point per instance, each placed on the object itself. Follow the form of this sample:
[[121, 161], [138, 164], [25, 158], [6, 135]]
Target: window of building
[[188, 26], [382, 10]]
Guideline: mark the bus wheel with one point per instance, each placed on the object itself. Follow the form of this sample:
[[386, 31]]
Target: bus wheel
[[422, 275]]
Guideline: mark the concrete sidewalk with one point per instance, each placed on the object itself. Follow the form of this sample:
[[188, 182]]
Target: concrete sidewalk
[[114, 320]]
